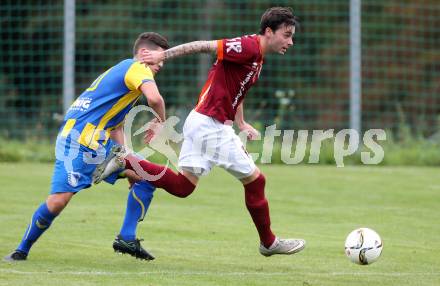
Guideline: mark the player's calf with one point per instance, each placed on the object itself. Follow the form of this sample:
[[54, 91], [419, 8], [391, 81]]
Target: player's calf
[[258, 208]]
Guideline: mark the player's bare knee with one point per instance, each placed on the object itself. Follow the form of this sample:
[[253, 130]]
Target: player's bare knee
[[194, 179], [255, 175], [57, 202], [132, 176]]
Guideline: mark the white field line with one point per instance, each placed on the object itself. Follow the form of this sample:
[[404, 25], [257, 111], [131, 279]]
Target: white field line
[[396, 243], [209, 273]]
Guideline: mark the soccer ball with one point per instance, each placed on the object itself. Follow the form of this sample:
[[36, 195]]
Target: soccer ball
[[363, 246]]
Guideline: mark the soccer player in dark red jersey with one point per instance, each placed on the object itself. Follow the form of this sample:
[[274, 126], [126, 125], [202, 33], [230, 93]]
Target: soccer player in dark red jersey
[[209, 139]]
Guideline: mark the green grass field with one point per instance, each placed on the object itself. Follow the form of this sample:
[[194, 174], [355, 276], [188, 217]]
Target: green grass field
[[208, 238]]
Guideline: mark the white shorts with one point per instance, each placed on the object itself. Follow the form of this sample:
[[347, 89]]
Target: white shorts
[[207, 143]]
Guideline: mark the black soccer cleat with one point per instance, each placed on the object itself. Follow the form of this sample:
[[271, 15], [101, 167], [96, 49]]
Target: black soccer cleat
[[15, 256], [132, 247]]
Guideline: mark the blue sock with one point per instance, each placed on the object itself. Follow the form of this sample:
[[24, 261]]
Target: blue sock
[[138, 202], [41, 220]]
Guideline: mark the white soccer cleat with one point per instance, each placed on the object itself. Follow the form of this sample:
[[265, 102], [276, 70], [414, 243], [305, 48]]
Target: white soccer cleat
[[283, 246], [114, 162]]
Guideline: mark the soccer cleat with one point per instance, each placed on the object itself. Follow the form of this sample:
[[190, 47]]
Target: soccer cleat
[[111, 164], [283, 246], [15, 256], [132, 247]]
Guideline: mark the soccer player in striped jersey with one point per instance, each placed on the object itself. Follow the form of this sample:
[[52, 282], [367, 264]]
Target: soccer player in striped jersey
[[237, 68], [91, 127]]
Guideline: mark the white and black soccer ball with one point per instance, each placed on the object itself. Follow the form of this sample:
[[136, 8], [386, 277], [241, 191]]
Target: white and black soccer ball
[[363, 246]]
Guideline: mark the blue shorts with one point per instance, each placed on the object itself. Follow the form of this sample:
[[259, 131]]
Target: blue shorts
[[75, 164]]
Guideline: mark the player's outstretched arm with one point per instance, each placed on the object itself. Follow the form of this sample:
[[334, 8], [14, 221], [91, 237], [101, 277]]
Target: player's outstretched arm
[[155, 57]]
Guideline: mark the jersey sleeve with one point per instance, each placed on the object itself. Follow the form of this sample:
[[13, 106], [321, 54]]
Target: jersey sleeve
[[239, 50], [138, 74]]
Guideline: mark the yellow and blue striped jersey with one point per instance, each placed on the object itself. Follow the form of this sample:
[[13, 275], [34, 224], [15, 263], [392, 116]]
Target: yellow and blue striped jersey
[[104, 105]]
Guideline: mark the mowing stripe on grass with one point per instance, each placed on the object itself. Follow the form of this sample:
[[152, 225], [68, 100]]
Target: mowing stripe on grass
[[209, 273]]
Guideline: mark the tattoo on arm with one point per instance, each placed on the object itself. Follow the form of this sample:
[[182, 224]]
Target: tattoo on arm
[[191, 48]]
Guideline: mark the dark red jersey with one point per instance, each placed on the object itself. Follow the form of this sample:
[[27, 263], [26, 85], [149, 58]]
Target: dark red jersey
[[237, 68]]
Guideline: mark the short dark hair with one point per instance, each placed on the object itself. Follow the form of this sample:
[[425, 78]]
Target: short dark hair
[[274, 17], [150, 40]]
